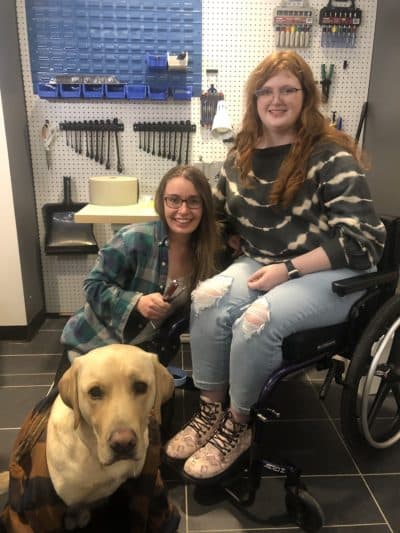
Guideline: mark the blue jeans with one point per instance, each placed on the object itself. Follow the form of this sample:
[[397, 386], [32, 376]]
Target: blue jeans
[[236, 333]]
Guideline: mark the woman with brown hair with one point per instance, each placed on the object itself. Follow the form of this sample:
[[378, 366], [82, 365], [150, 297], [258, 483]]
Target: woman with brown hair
[[294, 197], [147, 271]]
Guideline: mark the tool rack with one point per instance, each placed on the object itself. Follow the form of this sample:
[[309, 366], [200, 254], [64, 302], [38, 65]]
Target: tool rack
[[92, 134], [165, 139]]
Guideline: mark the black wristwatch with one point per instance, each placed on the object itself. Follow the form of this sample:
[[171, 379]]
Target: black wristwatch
[[293, 273]]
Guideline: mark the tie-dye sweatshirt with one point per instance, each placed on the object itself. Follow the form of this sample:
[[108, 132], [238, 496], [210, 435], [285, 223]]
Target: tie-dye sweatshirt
[[333, 209]]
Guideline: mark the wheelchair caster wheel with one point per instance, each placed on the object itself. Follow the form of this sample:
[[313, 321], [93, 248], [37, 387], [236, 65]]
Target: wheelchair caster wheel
[[304, 510]]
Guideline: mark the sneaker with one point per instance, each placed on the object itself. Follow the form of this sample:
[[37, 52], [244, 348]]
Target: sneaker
[[196, 432], [226, 447]]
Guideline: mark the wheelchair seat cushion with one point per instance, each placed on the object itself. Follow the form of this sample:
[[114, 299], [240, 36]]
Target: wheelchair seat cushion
[[307, 344]]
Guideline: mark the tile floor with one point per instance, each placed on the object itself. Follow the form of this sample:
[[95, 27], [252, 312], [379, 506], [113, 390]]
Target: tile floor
[[359, 494]]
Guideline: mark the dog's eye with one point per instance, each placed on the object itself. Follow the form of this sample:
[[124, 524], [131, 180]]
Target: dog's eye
[[139, 387], [96, 393]]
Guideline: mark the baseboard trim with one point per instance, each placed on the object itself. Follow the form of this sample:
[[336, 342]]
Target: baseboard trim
[[22, 333]]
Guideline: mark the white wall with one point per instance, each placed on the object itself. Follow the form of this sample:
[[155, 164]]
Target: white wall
[[12, 304]]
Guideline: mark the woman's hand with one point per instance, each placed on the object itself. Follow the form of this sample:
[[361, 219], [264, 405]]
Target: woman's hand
[[268, 277], [152, 306]]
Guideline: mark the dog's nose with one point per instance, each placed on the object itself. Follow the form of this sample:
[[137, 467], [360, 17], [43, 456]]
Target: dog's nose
[[123, 441]]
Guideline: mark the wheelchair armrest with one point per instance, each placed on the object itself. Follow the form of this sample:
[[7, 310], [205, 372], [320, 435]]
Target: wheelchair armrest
[[364, 282]]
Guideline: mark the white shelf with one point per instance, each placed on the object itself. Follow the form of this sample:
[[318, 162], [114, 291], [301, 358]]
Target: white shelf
[[115, 214]]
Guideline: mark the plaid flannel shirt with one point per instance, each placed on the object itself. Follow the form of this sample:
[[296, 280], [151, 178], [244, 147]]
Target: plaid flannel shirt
[[133, 263]]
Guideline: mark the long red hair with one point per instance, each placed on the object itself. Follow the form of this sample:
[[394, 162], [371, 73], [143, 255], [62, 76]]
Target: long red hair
[[312, 127]]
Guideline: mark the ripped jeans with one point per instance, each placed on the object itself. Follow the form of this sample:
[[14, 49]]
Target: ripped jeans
[[236, 333]]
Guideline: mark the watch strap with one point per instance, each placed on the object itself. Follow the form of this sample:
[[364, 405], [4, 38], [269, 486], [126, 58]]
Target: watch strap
[[293, 272]]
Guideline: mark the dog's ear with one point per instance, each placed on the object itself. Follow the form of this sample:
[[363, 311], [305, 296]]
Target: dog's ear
[[68, 389], [164, 385]]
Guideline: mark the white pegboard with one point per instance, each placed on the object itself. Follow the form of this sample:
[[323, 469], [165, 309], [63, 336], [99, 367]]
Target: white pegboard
[[236, 36]]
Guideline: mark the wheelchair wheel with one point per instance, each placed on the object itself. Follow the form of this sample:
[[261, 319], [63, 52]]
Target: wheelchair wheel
[[304, 510], [370, 406]]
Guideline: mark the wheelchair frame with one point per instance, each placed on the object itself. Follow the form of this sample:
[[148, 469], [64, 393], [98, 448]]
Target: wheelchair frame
[[373, 323]]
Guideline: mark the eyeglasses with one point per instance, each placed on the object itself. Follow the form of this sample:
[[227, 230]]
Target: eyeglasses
[[175, 202], [268, 92]]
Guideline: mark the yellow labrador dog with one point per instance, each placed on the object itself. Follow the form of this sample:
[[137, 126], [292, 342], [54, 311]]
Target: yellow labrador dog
[[97, 432]]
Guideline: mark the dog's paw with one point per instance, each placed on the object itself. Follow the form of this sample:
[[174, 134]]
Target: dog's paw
[[4, 480], [76, 517]]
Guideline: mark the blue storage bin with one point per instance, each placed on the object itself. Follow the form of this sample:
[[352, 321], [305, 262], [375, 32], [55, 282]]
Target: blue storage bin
[[115, 90], [48, 90], [157, 93], [70, 90], [157, 61], [182, 93], [93, 90], [136, 92]]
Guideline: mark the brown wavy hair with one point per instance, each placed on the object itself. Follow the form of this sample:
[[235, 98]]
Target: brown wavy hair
[[205, 239], [312, 127]]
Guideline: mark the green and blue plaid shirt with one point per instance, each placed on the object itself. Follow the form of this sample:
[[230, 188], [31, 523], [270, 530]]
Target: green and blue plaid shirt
[[133, 263]]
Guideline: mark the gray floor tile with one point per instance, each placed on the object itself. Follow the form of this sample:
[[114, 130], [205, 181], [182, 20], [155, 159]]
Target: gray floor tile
[[313, 446], [16, 402], [29, 364], [45, 342], [386, 490]]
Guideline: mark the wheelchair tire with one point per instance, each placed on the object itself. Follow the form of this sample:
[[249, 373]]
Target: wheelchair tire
[[304, 510], [370, 404]]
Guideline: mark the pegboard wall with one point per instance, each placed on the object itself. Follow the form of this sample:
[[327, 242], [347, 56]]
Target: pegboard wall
[[82, 37], [236, 36]]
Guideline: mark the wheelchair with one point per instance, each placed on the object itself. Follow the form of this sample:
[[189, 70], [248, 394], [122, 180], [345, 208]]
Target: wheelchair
[[369, 344]]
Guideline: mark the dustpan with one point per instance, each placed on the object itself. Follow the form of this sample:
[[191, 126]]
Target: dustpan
[[63, 234]]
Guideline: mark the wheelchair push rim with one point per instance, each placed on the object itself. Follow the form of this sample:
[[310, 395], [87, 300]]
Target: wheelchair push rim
[[370, 415], [365, 403]]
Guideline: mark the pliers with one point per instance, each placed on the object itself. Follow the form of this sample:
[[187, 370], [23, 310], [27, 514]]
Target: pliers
[[326, 81]]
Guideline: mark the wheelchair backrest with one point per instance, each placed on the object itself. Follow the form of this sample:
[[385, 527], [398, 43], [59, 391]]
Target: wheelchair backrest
[[391, 254]]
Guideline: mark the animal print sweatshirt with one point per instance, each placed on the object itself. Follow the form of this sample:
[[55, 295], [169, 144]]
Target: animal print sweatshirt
[[333, 209]]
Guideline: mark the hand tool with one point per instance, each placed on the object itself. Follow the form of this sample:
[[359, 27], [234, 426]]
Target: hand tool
[[91, 139], [76, 137], [101, 159], [326, 81], [96, 127], [119, 165], [108, 166], [169, 155], [148, 139], [80, 138], [187, 141], [179, 159], [159, 139], [164, 127], [85, 125], [153, 129], [173, 157]]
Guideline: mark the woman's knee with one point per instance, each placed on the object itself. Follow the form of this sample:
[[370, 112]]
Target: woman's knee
[[210, 292]]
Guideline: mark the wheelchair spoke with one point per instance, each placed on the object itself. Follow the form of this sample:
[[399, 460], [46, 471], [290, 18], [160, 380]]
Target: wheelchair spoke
[[396, 394]]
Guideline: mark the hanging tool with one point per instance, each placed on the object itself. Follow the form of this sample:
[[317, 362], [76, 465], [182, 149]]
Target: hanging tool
[[159, 139], [179, 158], [173, 156], [101, 159], [86, 137], [119, 165], [97, 153], [108, 166], [326, 81], [363, 116], [49, 134]]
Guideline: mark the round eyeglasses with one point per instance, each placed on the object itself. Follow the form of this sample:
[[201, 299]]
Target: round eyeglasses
[[174, 201], [284, 92]]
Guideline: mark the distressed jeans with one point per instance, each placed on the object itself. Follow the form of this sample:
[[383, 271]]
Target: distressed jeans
[[236, 333]]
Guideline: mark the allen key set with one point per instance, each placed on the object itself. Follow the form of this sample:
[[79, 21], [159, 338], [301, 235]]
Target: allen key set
[[95, 137], [170, 140]]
